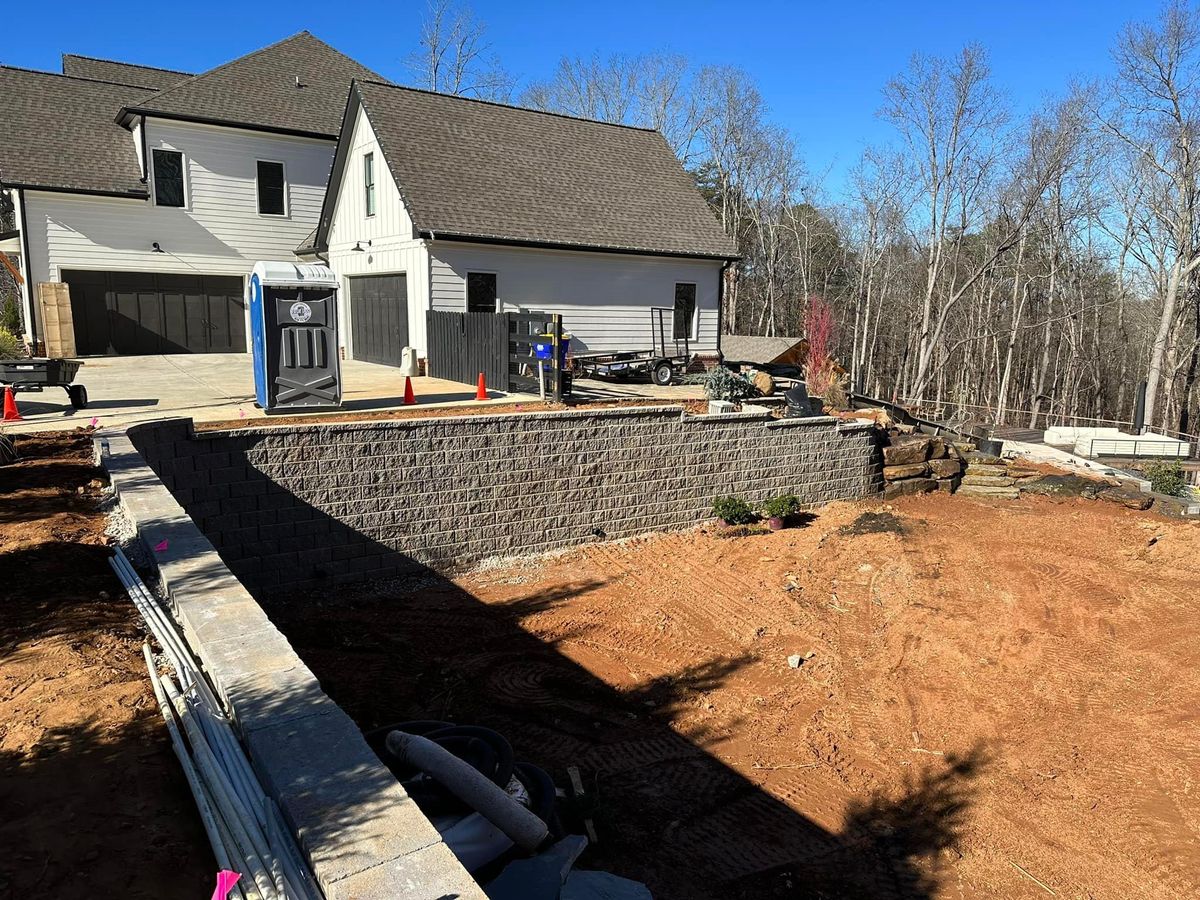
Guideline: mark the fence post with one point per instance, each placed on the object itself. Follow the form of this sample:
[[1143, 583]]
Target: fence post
[[556, 368]]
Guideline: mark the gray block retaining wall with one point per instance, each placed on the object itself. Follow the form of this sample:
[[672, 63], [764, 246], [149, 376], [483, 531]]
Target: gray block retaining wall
[[293, 505]]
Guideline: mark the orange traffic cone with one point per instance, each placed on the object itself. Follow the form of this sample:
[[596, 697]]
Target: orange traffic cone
[[409, 397], [11, 413], [481, 391]]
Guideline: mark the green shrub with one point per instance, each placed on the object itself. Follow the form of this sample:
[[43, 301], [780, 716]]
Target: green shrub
[[781, 507], [733, 511], [722, 384], [10, 315], [1166, 477], [11, 346]]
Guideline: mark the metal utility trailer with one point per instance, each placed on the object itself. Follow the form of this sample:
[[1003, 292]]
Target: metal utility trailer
[[666, 359], [39, 374]]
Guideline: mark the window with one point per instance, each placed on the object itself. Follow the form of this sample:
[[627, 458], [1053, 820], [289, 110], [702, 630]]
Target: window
[[481, 292], [685, 312], [168, 178], [369, 182], [271, 188]]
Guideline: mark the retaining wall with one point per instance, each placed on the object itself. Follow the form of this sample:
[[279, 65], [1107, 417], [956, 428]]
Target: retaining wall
[[363, 835], [293, 505]]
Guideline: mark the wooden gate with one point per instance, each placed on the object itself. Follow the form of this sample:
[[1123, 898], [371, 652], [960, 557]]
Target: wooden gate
[[461, 345], [500, 345]]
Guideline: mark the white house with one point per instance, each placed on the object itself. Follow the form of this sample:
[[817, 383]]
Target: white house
[[446, 203], [151, 193]]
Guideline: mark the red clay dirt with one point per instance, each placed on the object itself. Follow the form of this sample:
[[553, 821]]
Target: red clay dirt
[[94, 802], [1001, 699]]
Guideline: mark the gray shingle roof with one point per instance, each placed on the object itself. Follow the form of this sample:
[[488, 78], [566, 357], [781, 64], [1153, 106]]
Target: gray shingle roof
[[754, 348], [59, 132], [152, 77], [474, 169], [259, 89]]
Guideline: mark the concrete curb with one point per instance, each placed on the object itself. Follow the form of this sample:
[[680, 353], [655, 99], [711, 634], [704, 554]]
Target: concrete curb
[[362, 834]]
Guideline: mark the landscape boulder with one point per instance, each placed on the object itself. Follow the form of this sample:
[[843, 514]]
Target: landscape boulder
[[765, 383], [1127, 497], [907, 470], [1065, 486], [905, 451], [945, 468], [894, 489]]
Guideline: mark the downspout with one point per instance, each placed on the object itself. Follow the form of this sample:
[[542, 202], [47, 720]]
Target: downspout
[[27, 265], [721, 306], [145, 154]]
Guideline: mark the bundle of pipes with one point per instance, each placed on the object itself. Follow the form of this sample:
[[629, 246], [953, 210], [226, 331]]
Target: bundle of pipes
[[244, 825]]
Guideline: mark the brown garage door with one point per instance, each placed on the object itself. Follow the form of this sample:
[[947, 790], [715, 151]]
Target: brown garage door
[[139, 313], [379, 317]]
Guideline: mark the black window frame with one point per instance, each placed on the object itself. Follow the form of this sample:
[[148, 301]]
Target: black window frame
[[369, 198], [692, 325], [495, 290], [157, 154], [258, 187]]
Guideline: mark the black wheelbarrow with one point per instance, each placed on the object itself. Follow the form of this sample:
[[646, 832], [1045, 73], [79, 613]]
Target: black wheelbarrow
[[39, 374]]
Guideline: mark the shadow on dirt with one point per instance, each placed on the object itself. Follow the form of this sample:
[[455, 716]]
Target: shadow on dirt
[[668, 812], [94, 802]]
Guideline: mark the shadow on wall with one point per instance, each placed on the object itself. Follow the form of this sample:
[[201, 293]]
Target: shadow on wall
[[414, 645]]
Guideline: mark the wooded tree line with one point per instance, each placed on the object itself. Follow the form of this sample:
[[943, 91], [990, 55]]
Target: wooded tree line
[[1017, 268]]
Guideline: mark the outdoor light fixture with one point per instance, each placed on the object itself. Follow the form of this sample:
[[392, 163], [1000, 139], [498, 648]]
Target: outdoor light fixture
[[358, 246], [154, 248]]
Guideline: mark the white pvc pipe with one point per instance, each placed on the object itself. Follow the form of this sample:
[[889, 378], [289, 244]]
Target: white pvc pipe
[[239, 819], [237, 804]]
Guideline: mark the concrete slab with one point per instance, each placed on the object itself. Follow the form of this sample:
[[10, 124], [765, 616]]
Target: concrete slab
[[212, 387]]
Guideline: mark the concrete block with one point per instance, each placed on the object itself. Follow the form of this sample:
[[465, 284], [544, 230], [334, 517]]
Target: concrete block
[[349, 811], [431, 873]]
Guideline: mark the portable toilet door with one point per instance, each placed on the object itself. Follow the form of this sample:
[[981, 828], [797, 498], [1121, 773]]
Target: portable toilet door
[[293, 320]]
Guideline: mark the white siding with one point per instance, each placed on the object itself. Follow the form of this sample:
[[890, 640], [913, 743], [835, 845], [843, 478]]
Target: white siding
[[220, 232], [604, 298], [393, 248]]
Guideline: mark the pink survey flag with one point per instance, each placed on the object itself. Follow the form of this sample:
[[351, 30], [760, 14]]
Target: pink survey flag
[[161, 546], [225, 882], [94, 422], [241, 414]]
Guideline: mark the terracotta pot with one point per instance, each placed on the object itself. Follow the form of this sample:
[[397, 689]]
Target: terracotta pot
[[776, 523]]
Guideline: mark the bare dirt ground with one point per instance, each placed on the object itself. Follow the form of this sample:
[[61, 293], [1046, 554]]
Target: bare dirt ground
[[1002, 700], [93, 801]]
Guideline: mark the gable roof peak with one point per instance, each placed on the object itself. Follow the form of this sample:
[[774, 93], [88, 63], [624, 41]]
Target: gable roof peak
[[261, 89], [476, 170]]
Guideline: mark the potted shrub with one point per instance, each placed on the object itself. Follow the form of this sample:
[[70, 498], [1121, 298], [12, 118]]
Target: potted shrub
[[733, 511], [779, 509]]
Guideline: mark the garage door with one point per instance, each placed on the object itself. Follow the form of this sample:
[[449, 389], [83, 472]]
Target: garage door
[[138, 313], [379, 317]]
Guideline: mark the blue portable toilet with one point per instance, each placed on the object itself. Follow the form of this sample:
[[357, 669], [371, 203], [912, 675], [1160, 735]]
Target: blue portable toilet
[[293, 324]]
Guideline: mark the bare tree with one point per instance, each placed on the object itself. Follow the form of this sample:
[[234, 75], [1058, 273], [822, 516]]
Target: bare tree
[[455, 57], [1153, 114]]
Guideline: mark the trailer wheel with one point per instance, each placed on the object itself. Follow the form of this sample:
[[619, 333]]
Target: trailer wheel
[[78, 396], [663, 373]]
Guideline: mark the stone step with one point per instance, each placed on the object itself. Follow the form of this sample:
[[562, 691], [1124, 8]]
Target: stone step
[[987, 469], [976, 490], [988, 480]]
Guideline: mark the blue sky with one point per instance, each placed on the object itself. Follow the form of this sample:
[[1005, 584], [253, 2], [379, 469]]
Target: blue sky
[[820, 65]]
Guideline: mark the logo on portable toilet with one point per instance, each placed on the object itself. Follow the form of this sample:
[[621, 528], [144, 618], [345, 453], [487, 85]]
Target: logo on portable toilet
[[300, 311]]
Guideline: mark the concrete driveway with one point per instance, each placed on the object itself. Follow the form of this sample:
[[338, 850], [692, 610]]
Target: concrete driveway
[[209, 387]]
